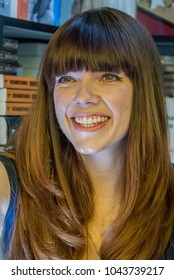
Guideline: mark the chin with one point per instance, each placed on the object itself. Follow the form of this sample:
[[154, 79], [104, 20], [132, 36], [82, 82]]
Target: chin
[[86, 150]]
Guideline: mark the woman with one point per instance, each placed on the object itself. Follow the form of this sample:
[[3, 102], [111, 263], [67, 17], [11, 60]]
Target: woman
[[94, 179]]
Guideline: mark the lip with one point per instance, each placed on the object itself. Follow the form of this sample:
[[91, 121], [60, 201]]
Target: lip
[[97, 126], [88, 114]]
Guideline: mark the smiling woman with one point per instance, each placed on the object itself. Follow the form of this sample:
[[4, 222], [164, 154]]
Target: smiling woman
[[93, 109], [92, 177]]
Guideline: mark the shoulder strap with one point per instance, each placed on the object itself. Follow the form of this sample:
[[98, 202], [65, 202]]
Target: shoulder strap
[[169, 251], [11, 212]]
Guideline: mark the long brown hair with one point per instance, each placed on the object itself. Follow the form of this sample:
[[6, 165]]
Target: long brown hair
[[56, 195]]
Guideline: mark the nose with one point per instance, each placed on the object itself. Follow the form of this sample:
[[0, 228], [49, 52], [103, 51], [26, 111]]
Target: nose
[[86, 96]]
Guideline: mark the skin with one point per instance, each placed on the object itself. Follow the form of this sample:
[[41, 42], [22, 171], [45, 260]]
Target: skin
[[82, 94]]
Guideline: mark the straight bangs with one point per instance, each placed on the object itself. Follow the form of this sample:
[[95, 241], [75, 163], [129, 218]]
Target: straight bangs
[[88, 43]]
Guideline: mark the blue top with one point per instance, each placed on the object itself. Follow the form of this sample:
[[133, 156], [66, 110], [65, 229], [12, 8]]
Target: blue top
[[11, 212]]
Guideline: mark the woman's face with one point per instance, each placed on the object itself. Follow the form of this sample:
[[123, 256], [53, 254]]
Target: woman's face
[[93, 108]]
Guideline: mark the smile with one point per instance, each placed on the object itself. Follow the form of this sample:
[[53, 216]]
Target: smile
[[91, 122]]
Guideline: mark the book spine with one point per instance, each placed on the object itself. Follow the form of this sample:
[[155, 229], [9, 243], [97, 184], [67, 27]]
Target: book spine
[[18, 82], [169, 84], [7, 56], [7, 68], [17, 95], [168, 76], [56, 9], [22, 9], [168, 68], [13, 8], [170, 115], [10, 44], [5, 8], [15, 109], [3, 131], [42, 11]]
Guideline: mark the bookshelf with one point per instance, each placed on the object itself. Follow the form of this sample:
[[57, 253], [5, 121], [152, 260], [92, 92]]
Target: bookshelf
[[161, 27], [24, 30], [161, 30]]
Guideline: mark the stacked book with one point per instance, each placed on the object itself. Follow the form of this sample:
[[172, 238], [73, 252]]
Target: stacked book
[[170, 115], [9, 57], [17, 96], [168, 73], [21, 59]]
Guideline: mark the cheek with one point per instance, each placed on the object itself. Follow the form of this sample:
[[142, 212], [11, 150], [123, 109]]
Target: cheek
[[125, 106], [124, 100], [57, 99], [121, 107], [61, 106], [62, 99], [57, 104], [60, 102]]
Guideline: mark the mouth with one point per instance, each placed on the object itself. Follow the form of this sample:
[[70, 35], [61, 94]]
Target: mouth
[[89, 122]]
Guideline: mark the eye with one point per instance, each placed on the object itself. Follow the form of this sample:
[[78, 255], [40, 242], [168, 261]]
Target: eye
[[110, 77], [64, 80]]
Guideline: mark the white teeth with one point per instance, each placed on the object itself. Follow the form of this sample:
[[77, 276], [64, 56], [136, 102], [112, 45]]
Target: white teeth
[[94, 120], [90, 121]]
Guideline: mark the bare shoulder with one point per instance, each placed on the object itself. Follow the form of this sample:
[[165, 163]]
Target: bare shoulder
[[4, 182]]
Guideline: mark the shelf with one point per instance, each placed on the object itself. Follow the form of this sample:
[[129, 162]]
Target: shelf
[[161, 30], [165, 48], [23, 29], [165, 44]]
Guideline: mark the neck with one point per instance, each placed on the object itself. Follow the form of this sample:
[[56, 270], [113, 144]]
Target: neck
[[104, 170]]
